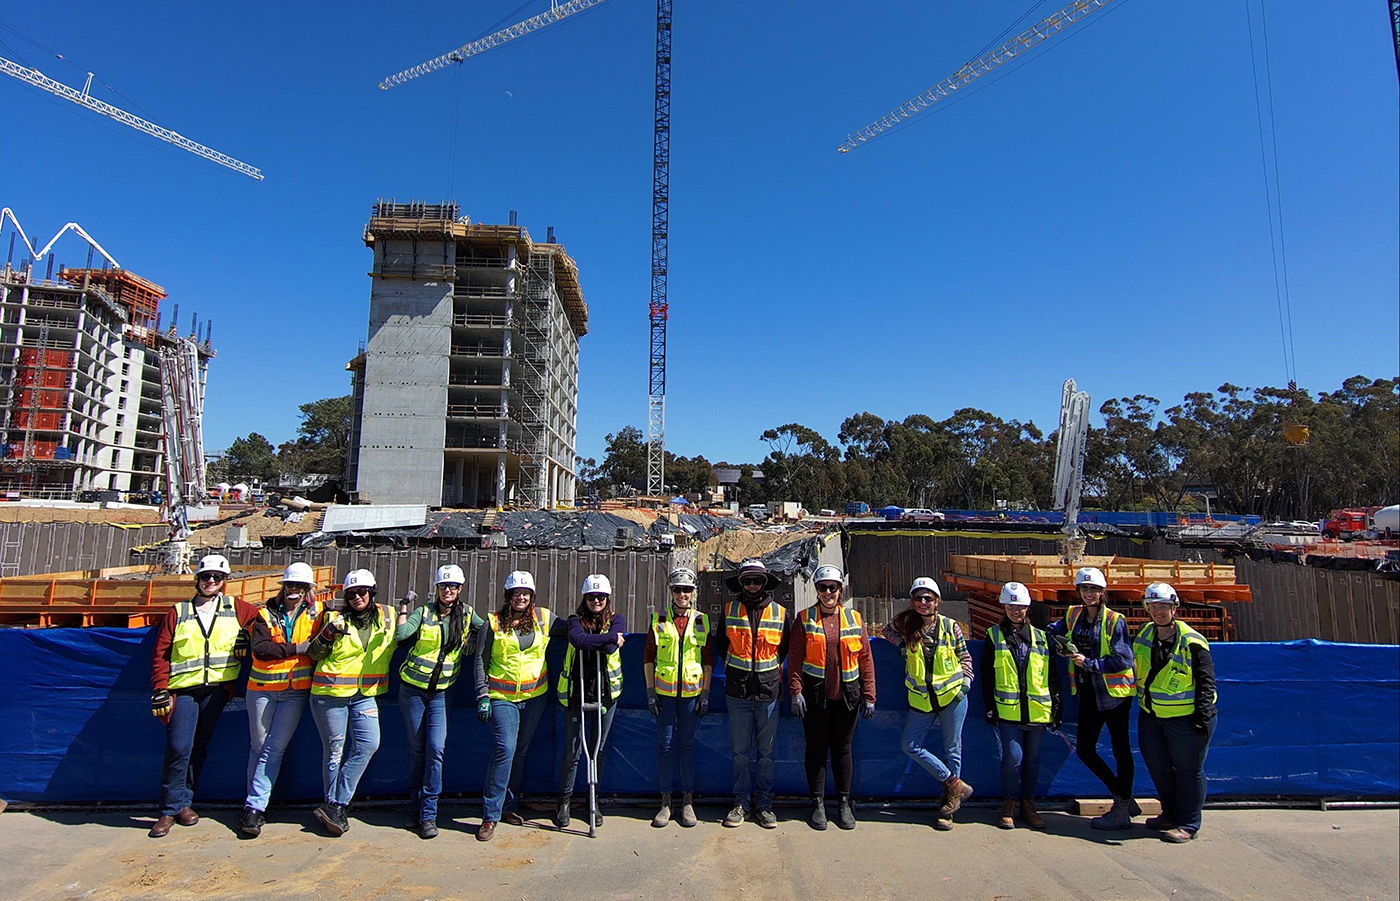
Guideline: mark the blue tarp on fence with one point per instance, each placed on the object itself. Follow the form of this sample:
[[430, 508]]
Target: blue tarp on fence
[[1303, 718]]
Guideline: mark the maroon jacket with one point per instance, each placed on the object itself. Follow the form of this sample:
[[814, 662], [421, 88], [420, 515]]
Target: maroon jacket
[[160, 657]]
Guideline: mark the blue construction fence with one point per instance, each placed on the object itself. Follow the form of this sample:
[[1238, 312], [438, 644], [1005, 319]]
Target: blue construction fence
[[1297, 719], [1157, 519]]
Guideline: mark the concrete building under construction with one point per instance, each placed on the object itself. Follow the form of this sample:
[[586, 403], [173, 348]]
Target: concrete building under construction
[[466, 393]]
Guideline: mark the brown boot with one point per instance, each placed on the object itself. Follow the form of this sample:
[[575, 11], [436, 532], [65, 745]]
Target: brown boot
[[486, 831], [162, 827], [1028, 813], [187, 817], [955, 792], [1008, 814]]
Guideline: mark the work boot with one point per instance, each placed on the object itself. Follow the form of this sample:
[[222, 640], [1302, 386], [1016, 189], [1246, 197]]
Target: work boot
[[942, 823], [412, 819], [1178, 835], [1134, 809], [1116, 818], [186, 817], [766, 818], [428, 829], [1008, 814], [342, 817], [251, 822], [597, 817], [735, 817], [1029, 814], [1161, 822], [161, 827], [817, 819], [955, 792], [514, 819], [663, 816], [487, 830], [561, 812], [687, 814], [330, 817], [845, 814]]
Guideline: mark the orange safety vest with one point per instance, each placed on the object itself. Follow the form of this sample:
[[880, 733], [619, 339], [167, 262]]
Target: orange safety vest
[[814, 662], [753, 650], [289, 672]]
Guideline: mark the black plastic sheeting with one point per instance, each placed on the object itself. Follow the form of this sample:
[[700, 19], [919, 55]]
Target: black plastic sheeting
[[1389, 567], [535, 528]]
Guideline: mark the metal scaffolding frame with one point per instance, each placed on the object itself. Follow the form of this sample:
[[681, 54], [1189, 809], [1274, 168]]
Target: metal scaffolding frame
[[531, 379]]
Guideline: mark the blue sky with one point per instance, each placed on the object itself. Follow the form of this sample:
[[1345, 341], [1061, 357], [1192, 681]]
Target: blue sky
[[1097, 213]]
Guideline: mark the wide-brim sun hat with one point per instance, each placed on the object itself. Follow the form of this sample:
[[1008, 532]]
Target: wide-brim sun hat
[[751, 568]]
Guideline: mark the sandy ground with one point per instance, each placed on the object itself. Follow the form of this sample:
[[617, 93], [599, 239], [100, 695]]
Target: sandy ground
[[1240, 854]]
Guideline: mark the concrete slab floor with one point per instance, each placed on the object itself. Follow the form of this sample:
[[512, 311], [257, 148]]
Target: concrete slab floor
[[1241, 854]]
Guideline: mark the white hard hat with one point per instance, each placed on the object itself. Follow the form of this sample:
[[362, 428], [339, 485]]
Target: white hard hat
[[597, 584], [827, 574], [1089, 575], [360, 578], [214, 563], [300, 573], [1014, 594], [1160, 593], [450, 574], [682, 577], [927, 584], [520, 579]]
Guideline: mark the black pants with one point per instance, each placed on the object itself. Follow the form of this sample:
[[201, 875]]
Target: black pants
[[1091, 723], [829, 729]]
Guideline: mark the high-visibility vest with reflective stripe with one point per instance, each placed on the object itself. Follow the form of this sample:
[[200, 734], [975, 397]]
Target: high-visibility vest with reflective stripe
[[289, 672], [514, 674], [679, 656], [1008, 688], [1121, 684], [612, 667], [199, 659], [752, 650], [1173, 692], [814, 660], [947, 677], [417, 670], [355, 666]]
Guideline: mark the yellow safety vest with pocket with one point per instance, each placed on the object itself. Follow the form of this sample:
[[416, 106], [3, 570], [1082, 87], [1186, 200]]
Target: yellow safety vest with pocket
[[513, 673], [1173, 692], [199, 658], [1008, 688], [947, 678], [355, 665], [417, 670], [679, 656], [612, 669], [1120, 684]]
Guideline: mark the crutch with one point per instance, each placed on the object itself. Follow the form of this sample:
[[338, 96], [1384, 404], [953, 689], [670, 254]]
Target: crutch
[[590, 710]]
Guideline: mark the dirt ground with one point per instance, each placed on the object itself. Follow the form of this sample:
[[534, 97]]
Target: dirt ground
[[1240, 854]]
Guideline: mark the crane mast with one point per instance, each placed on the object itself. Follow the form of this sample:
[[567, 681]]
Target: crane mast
[[660, 251]]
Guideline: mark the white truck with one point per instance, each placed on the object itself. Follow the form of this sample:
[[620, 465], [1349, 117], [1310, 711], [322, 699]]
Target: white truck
[[1386, 521]]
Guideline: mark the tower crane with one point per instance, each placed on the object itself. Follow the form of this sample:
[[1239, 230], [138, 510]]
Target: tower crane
[[84, 99]]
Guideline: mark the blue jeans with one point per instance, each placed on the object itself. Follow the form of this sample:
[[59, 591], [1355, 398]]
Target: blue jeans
[[1175, 754], [573, 747], [950, 726], [1020, 759], [753, 729], [425, 718], [272, 721], [349, 730], [512, 726], [187, 735], [675, 728]]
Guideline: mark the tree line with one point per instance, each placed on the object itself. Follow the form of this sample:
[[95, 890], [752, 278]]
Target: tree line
[[322, 445]]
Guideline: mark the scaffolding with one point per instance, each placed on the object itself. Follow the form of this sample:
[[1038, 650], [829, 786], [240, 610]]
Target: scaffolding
[[534, 304]]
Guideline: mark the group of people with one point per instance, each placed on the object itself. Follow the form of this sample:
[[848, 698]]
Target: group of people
[[337, 657]]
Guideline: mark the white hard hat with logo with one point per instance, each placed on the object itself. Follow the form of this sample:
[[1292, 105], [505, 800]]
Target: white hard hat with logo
[[1089, 575], [450, 574], [299, 573], [361, 578], [1014, 594], [597, 584], [214, 563], [827, 573], [520, 579], [924, 583], [1160, 593], [681, 577]]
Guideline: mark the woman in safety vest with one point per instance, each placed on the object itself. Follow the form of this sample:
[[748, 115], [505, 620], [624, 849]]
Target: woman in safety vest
[[442, 631], [677, 663], [1176, 694], [511, 681], [352, 652], [831, 676], [937, 675], [594, 628], [193, 670], [1021, 689], [278, 685], [1101, 674]]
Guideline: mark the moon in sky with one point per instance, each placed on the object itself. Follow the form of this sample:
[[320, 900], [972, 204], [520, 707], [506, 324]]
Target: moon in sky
[[509, 94]]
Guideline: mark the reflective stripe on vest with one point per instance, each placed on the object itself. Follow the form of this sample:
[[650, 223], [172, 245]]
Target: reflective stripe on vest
[[1008, 687], [514, 674], [679, 655], [199, 659], [613, 669], [353, 666], [1120, 684], [752, 650], [948, 676], [814, 661], [417, 670], [1173, 692], [289, 672]]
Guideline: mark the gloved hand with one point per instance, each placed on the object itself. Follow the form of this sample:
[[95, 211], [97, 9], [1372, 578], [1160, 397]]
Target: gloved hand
[[333, 627], [867, 710], [702, 706], [1201, 725], [240, 645], [161, 703], [301, 648], [991, 717], [1056, 720], [652, 706], [483, 709], [799, 706]]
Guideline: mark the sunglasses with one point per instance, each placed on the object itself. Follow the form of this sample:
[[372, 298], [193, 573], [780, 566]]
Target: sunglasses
[[446, 586], [753, 581], [827, 589], [681, 589], [211, 577], [924, 600]]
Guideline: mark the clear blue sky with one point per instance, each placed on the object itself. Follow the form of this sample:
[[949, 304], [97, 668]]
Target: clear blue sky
[[1098, 213]]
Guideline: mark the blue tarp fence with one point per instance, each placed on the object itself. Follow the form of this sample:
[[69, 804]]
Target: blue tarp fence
[[1304, 718]]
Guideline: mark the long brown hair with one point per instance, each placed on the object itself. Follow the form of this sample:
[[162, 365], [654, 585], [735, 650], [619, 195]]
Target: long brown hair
[[516, 621], [909, 624], [595, 623]]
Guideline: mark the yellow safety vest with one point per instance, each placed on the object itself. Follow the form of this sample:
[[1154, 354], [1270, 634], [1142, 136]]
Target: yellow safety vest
[[417, 670], [1173, 692], [200, 659], [613, 670], [354, 666], [679, 655], [948, 676], [514, 674], [1008, 688], [1120, 683]]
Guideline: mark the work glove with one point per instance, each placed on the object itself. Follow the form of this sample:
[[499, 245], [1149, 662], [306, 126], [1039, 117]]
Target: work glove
[[409, 601], [161, 703], [333, 627], [1201, 725], [799, 706], [1056, 720], [301, 648], [867, 710], [483, 709], [240, 645], [652, 706], [702, 706]]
